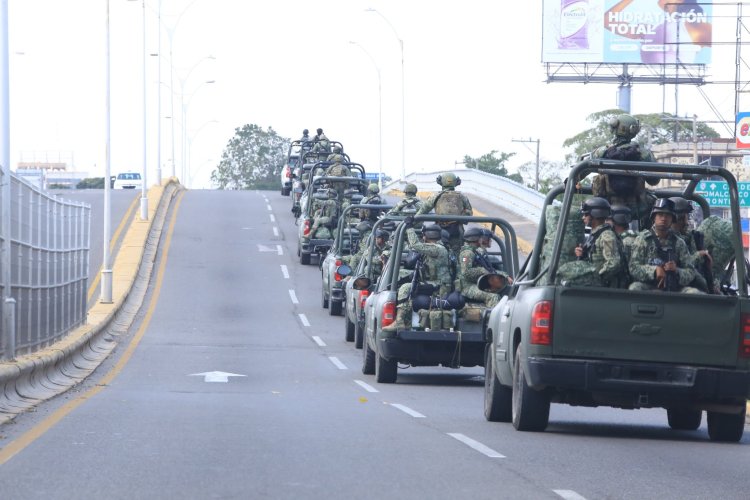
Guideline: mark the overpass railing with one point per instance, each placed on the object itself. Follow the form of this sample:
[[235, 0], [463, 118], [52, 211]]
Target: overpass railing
[[48, 268]]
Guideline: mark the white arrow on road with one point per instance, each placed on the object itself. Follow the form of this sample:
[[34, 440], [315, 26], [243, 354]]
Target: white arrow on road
[[216, 376]]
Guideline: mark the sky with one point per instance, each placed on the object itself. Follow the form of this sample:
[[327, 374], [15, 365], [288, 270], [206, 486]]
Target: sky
[[473, 82]]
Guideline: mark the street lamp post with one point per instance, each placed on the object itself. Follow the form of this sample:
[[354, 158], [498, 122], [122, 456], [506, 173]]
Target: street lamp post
[[403, 129], [189, 175], [185, 106], [144, 182], [105, 292], [380, 116]]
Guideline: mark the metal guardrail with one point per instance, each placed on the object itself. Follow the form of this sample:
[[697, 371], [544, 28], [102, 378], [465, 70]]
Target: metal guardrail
[[49, 268], [499, 190]]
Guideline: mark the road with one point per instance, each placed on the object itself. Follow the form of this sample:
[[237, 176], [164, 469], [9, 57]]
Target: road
[[296, 418]]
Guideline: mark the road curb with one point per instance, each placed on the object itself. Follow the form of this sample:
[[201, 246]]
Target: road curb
[[33, 378]]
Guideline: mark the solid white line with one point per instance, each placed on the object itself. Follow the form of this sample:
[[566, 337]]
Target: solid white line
[[268, 207], [303, 319], [285, 271], [319, 341], [275, 231], [569, 495], [476, 445], [366, 386], [338, 364], [293, 296], [407, 410], [273, 217], [279, 250]]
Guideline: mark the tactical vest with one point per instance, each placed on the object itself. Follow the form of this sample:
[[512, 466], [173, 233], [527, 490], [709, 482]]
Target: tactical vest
[[338, 170], [449, 203], [624, 185]]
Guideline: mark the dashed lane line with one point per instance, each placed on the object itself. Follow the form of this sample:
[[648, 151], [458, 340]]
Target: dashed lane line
[[569, 495], [407, 410], [319, 341], [279, 250], [294, 297], [364, 385], [269, 207], [273, 217], [276, 231], [476, 445], [337, 363], [304, 320], [285, 271]]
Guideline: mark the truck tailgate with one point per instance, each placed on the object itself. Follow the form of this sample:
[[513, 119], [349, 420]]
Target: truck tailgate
[[643, 326]]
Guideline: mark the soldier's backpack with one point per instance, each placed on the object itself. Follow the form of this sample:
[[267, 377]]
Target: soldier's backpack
[[449, 203], [623, 185], [338, 170]]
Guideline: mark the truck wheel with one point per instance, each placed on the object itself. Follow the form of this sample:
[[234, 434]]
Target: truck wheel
[[335, 308], [498, 399], [304, 258], [726, 427], [530, 407], [324, 300], [348, 328], [368, 359], [684, 419], [358, 336], [386, 371]]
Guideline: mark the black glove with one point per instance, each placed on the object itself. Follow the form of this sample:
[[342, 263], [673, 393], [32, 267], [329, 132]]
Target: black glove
[[409, 220]]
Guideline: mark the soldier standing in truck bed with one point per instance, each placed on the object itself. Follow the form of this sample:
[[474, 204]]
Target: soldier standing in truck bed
[[449, 202]]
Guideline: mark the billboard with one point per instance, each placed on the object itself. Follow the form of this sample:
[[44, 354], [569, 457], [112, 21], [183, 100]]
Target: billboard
[[626, 31], [742, 131]]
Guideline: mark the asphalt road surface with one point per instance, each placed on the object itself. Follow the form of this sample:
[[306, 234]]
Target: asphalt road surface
[[240, 385]]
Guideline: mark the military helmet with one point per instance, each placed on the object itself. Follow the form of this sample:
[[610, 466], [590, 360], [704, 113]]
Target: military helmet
[[373, 189], [319, 131], [681, 205], [380, 233], [432, 231], [410, 189], [473, 234], [449, 180], [621, 215], [624, 126], [596, 207], [305, 132], [337, 149], [663, 205], [364, 226]]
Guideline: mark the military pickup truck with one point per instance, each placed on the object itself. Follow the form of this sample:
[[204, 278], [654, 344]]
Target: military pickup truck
[[461, 344], [552, 342]]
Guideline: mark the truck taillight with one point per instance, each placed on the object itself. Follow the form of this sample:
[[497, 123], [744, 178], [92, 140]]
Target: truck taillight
[[288, 172], [541, 323], [306, 227], [363, 297], [389, 314], [745, 335], [337, 276]]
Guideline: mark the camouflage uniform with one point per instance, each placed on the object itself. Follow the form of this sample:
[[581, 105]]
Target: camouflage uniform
[[602, 265], [718, 239], [321, 144], [456, 230], [407, 206], [688, 236], [470, 270], [645, 256], [324, 220], [628, 238]]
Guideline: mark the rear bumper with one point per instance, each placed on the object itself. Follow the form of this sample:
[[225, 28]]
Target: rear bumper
[[316, 246], [434, 348], [659, 380]]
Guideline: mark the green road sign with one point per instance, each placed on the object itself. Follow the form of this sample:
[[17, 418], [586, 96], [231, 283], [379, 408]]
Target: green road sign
[[716, 193]]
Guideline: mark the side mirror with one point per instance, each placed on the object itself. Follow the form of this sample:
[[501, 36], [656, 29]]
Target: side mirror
[[361, 283], [344, 270]]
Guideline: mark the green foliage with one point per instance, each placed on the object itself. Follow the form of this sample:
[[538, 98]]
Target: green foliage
[[91, 183], [660, 127], [252, 159], [551, 173], [58, 186], [489, 163]]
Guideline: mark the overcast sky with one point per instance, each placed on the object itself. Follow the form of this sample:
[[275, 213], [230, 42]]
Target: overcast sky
[[474, 80]]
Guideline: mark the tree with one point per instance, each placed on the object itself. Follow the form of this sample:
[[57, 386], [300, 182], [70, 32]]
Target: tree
[[660, 127], [252, 159], [550, 174], [492, 165], [91, 183]]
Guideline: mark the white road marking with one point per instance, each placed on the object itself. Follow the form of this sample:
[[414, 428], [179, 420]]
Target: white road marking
[[264, 248], [484, 450], [216, 376], [338, 364], [279, 250], [303, 319], [366, 386], [268, 207], [319, 341], [275, 231], [285, 271], [293, 296], [273, 217], [569, 495], [408, 410]]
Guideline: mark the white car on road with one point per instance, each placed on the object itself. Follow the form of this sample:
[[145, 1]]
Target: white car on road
[[128, 180]]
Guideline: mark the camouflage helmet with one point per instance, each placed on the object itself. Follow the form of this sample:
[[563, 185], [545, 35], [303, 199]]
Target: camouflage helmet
[[364, 226], [624, 126], [432, 231], [663, 205], [373, 189], [305, 132], [596, 207], [410, 189], [681, 205], [319, 131], [337, 149], [449, 180], [621, 215], [473, 233], [381, 233]]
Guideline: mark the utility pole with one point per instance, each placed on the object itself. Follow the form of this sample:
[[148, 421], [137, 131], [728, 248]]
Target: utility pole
[[694, 119], [536, 177]]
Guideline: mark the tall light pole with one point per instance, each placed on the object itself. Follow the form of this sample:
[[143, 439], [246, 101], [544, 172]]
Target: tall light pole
[[185, 105], [536, 177], [105, 292], [380, 115], [403, 129], [144, 175]]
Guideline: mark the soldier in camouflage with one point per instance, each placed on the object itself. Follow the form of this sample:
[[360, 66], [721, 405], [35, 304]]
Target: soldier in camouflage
[[325, 217], [473, 265], [695, 242], [321, 142], [372, 198], [364, 228], [660, 260], [449, 202], [337, 155], [379, 255], [433, 270], [620, 221], [600, 260], [409, 204]]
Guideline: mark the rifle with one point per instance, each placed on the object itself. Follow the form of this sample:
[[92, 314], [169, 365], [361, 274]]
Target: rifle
[[587, 245], [671, 282], [705, 267]]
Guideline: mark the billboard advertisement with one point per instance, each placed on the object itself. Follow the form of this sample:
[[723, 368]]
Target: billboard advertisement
[[626, 31], [742, 130]]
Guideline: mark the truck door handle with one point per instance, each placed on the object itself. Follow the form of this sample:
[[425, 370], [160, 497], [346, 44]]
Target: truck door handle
[[646, 308]]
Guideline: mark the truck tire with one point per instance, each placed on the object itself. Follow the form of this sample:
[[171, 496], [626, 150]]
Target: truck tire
[[358, 336], [304, 258], [348, 328], [684, 419], [498, 399], [335, 308], [530, 407], [386, 371], [368, 359], [726, 427]]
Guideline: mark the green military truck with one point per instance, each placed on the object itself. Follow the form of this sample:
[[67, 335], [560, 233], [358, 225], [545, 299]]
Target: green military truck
[[552, 342]]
